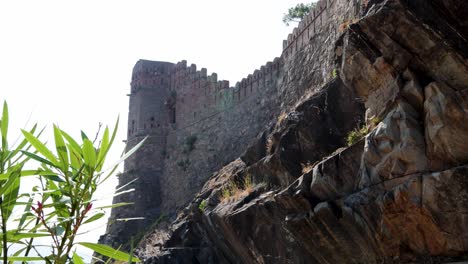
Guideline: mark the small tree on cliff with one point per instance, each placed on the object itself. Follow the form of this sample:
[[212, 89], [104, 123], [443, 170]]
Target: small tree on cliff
[[296, 13]]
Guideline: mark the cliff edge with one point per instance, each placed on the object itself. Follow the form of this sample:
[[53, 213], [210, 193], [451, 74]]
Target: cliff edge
[[370, 165]]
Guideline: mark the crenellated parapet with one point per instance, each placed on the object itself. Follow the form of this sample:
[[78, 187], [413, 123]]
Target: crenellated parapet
[[171, 103], [147, 74], [310, 25]]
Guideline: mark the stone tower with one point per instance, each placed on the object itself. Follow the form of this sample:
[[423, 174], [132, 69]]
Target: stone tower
[[149, 116]]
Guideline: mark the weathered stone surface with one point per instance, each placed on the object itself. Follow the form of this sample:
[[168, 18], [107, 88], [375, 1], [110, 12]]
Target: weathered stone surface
[[398, 195], [445, 196], [395, 148], [446, 125], [336, 176]]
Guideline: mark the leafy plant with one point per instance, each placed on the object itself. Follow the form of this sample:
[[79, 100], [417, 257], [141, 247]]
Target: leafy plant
[[184, 164], [63, 202], [334, 73], [235, 189], [296, 13], [202, 206], [190, 143], [12, 161], [358, 133]]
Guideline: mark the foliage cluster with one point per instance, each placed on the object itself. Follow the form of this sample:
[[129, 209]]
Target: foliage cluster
[[184, 164], [296, 13], [190, 144], [202, 206], [358, 133], [62, 202], [235, 190]]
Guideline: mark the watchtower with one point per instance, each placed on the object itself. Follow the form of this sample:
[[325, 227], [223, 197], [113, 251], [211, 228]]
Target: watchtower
[[148, 116]]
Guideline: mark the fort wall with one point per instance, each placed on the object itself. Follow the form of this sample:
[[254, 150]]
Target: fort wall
[[196, 123]]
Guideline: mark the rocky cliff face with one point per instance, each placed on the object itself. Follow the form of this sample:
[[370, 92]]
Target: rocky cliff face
[[398, 194]]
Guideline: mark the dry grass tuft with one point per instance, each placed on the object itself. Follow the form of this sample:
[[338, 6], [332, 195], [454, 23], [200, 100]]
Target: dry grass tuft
[[234, 191]]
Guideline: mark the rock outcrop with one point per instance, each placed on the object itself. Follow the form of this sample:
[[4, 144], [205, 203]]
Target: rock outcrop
[[303, 194]]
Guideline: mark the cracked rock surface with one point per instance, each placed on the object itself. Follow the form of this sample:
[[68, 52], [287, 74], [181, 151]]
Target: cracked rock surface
[[397, 195]]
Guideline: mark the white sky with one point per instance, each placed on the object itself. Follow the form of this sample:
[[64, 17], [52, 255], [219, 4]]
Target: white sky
[[70, 62]]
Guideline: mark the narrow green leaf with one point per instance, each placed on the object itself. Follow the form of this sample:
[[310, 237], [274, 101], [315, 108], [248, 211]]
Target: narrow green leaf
[[83, 135], [17, 253], [94, 218], [10, 182], [40, 147], [131, 151], [131, 251], [103, 149], [54, 178], [5, 176], [114, 205], [24, 258], [21, 145], [10, 192], [26, 213], [109, 174], [61, 148], [73, 144], [77, 259], [19, 236], [38, 158], [108, 251], [75, 158], [125, 185], [4, 125], [114, 131], [89, 153]]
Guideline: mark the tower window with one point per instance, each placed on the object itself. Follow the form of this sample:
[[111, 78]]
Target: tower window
[[172, 115]]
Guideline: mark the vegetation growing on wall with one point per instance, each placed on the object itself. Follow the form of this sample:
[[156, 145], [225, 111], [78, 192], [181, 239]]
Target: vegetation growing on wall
[[358, 133], [296, 13]]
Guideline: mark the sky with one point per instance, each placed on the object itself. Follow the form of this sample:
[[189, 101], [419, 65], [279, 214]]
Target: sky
[[69, 62]]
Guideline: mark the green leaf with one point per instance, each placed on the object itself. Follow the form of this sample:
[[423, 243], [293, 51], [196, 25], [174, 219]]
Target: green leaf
[[94, 218], [10, 182], [75, 158], [77, 259], [103, 149], [21, 145], [10, 194], [113, 206], [110, 173], [17, 253], [89, 153], [19, 236], [131, 251], [108, 251], [83, 135], [72, 143], [4, 125], [5, 176], [38, 158], [40, 147], [114, 131], [54, 178], [130, 152], [26, 213], [61, 148], [24, 258]]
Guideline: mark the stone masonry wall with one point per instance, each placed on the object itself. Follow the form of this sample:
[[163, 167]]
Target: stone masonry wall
[[196, 124]]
